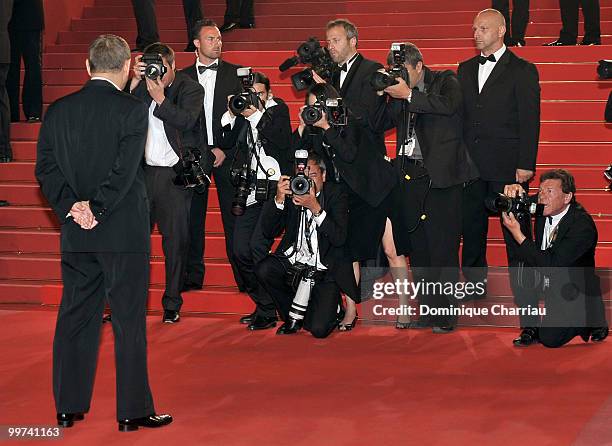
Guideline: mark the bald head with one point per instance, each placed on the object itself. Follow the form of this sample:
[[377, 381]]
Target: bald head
[[489, 29]]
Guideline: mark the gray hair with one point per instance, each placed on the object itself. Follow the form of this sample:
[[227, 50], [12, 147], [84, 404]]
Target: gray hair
[[108, 54], [349, 27]]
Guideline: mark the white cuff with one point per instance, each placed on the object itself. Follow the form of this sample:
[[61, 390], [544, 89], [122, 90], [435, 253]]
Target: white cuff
[[227, 118], [319, 220], [280, 206]]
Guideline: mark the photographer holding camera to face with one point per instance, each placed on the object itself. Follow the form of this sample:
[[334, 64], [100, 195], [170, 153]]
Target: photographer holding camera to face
[[172, 153], [432, 163], [311, 267], [562, 260], [257, 124]]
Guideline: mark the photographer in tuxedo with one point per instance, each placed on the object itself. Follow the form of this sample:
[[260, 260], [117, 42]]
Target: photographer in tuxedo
[[261, 134], [501, 109], [432, 162], [311, 259], [352, 81], [175, 104], [89, 169], [563, 257], [219, 80]]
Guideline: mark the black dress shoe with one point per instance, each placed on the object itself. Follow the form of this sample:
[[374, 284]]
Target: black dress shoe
[[262, 323], [559, 43], [154, 420], [68, 419], [599, 334], [188, 286], [443, 329], [6, 159], [228, 27], [4, 203], [520, 42], [247, 25], [33, 120], [527, 337], [290, 327], [246, 320], [586, 42], [420, 324], [171, 317]]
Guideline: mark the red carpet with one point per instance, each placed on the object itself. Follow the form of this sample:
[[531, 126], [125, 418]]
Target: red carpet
[[375, 386]]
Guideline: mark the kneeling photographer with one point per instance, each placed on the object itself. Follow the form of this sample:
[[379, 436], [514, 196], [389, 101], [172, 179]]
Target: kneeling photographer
[[559, 265], [258, 125], [174, 164], [311, 267]]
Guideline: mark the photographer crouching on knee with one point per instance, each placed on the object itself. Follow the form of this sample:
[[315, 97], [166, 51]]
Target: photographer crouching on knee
[[311, 267], [561, 263]]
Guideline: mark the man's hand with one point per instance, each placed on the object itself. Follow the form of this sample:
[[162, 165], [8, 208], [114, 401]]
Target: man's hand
[[318, 79], [219, 156], [138, 70], [249, 111], [82, 215], [401, 90], [302, 124], [322, 123], [513, 190], [513, 226], [309, 201], [282, 189], [156, 90], [522, 175]]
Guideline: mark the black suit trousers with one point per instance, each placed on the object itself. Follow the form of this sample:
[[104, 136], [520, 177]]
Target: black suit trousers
[[249, 248], [5, 115], [90, 280], [239, 11], [515, 27], [569, 19], [321, 316], [26, 45], [170, 208]]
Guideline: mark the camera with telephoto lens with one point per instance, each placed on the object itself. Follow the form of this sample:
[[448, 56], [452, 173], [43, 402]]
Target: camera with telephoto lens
[[242, 180], [310, 53], [521, 206], [240, 102], [155, 66], [300, 184], [193, 170], [379, 80], [335, 110]]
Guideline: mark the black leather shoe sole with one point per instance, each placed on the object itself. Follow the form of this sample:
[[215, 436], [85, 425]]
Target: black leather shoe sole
[[68, 419]]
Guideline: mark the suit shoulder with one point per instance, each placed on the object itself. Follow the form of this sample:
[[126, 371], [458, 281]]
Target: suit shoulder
[[335, 191], [520, 62], [231, 65], [469, 61], [370, 65]]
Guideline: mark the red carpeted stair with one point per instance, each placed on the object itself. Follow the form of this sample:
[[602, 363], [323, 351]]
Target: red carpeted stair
[[573, 133]]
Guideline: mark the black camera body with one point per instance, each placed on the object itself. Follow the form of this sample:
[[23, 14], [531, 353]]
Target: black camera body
[[522, 206], [336, 111], [193, 170], [608, 175], [604, 69], [155, 66], [379, 80], [240, 102], [317, 57], [300, 184]]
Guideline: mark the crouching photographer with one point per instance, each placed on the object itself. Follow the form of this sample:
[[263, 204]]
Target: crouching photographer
[[310, 268], [257, 125], [174, 164], [559, 265]]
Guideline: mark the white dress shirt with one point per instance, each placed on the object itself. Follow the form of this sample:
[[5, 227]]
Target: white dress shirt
[[349, 64], [549, 228], [484, 70], [98, 78], [208, 79], [158, 151]]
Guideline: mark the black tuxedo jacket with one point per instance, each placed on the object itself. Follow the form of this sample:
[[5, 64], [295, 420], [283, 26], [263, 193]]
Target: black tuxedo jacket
[[331, 235], [28, 15], [438, 127], [180, 112], [502, 123], [226, 84], [365, 171], [361, 99], [274, 132], [90, 147], [6, 9]]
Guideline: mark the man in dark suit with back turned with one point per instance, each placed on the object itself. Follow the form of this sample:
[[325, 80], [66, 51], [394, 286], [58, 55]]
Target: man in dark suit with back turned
[[90, 151], [6, 155], [501, 98], [219, 80]]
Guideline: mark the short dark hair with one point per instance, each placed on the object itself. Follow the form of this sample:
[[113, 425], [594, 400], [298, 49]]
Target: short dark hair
[[349, 27], [161, 48], [412, 54], [318, 160], [322, 92], [107, 54], [203, 23], [260, 78], [567, 180]]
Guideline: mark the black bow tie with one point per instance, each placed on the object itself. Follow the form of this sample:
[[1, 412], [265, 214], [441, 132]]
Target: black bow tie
[[344, 67], [550, 220], [482, 60], [203, 68]]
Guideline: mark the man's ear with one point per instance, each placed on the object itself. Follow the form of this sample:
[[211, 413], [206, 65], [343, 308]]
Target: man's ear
[[323, 176], [567, 198], [88, 67]]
